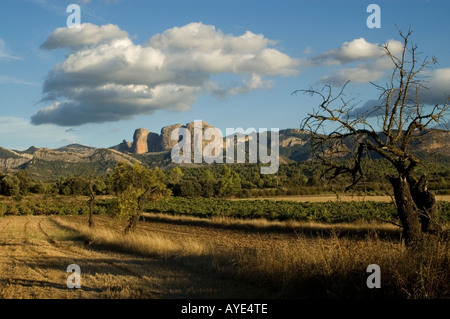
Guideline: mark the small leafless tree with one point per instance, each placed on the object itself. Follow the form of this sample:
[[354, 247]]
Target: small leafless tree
[[389, 130]]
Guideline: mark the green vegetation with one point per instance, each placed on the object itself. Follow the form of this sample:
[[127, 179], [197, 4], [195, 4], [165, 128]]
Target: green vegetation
[[322, 212], [325, 212], [50, 171], [236, 180], [204, 191], [135, 186]]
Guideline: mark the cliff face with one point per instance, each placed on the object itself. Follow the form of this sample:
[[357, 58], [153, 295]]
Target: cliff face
[[166, 143], [145, 141], [140, 141]]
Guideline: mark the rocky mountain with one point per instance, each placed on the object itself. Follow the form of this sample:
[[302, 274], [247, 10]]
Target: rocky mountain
[[45, 163], [145, 141], [154, 149]]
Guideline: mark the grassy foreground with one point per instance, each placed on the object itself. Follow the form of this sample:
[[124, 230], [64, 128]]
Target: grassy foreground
[[328, 265]]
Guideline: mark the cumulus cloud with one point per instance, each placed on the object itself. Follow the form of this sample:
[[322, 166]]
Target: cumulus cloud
[[87, 34], [437, 86], [434, 90], [106, 77], [370, 59], [361, 62], [356, 50], [359, 74]]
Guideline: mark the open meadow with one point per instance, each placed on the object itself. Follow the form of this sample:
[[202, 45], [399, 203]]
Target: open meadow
[[171, 256]]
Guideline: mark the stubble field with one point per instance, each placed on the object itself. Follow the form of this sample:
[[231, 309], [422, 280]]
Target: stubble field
[[185, 257]]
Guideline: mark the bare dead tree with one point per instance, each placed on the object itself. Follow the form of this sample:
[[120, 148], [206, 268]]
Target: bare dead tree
[[401, 119]]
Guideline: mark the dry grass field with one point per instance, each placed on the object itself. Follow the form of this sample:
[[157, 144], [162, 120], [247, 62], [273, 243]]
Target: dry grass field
[[35, 252], [173, 257]]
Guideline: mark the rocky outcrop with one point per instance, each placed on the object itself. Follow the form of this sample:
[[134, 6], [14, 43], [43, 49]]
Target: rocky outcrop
[[154, 142], [12, 163], [291, 141], [166, 142], [145, 141], [140, 145], [123, 147], [190, 126]]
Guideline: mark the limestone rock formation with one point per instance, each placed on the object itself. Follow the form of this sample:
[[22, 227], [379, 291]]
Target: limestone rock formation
[[140, 145], [124, 146], [145, 141], [154, 142], [166, 142]]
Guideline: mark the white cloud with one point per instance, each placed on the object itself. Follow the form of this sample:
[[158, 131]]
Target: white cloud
[[434, 89], [108, 78], [87, 34], [370, 59], [356, 50], [437, 87], [362, 73]]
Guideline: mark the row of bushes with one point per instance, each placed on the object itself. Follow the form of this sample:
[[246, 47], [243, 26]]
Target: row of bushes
[[49, 207], [325, 212]]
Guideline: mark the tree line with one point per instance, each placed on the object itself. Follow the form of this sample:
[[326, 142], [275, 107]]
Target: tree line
[[237, 180]]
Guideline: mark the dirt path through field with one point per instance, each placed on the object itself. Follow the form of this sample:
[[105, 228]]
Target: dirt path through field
[[35, 253]]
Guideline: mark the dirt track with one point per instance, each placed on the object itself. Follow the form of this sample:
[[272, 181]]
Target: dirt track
[[35, 253]]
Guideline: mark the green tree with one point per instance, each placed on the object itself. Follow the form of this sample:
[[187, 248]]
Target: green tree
[[25, 182], [9, 185], [189, 188], [175, 175], [230, 183], [135, 186], [74, 185], [209, 183]]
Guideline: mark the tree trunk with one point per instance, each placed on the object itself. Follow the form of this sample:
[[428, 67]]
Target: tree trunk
[[91, 216], [132, 223], [407, 210], [425, 201], [91, 211]]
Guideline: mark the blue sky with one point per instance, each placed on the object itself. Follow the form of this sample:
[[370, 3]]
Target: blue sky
[[230, 63]]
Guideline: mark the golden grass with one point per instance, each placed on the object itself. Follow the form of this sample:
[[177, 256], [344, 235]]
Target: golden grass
[[264, 224], [302, 267], [145, 244], [335, 267]]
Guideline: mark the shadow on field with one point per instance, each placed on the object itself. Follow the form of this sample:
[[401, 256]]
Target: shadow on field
[[45, 284], [356, 231]]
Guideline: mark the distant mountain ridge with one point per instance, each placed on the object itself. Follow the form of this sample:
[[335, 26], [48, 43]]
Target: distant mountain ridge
[[154, 149]]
